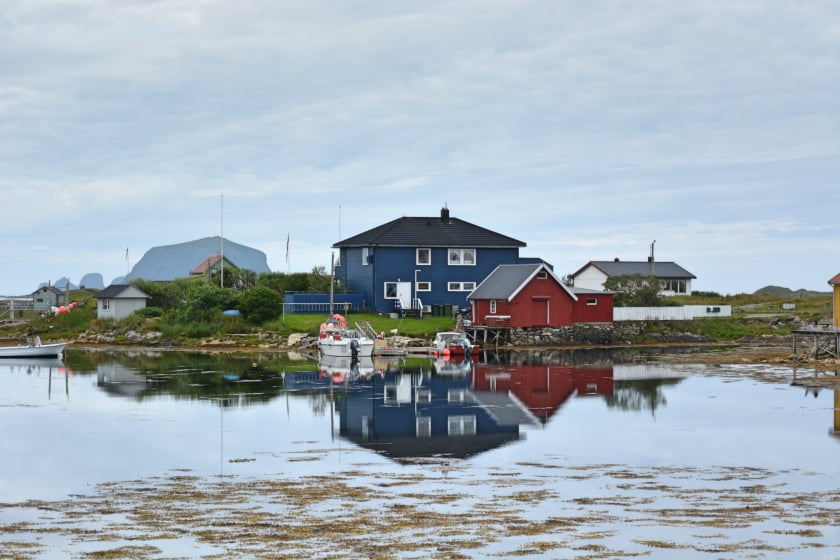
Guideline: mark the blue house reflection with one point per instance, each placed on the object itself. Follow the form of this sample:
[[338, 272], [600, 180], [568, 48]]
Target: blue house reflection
[[407, 415]]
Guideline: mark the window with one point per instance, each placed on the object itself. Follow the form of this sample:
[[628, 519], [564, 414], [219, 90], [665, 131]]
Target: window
[[424, 286], [424, 256], [390, 393], [106, 304], [592, 301], [542, 274], [492, 306], [424, 426], [676, 286], [365, 256], [458, 395], [460, 286], [424, 396], [390, 290], [462, 257], [461, 425]]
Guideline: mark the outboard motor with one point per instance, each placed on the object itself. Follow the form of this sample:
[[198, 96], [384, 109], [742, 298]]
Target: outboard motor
[[354, 349]]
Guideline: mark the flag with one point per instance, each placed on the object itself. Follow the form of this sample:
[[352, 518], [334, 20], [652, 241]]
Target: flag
[[287, 248]]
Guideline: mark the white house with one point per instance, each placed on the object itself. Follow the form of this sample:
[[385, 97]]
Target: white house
[[118, 301], [675, 279]]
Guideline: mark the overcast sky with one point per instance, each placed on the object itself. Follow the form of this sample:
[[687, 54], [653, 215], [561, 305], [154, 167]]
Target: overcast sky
[[586, 129]]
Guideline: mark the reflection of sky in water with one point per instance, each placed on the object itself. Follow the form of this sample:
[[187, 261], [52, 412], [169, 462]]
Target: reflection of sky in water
[[59, 440]]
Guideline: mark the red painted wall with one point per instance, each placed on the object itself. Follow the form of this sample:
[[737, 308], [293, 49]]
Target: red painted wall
[[528, 309], [600, 313]]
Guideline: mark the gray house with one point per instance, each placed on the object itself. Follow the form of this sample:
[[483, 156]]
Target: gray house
[[118, 301], [674, 279], [47, 297]]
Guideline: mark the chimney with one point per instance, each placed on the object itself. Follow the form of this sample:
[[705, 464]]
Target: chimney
[[444, 215]]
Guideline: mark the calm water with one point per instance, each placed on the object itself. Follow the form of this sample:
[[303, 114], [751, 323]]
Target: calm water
[[102, 417]]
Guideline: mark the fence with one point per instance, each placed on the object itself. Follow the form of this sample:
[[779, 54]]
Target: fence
[[318, 302], [684, 313]]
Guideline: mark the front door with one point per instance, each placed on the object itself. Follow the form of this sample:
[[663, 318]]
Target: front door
[[404, 294]]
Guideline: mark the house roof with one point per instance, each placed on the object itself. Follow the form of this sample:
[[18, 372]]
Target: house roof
[[507, 280], [662, 269], [440, 231], [52, 289], [115, 290], [835, 280]]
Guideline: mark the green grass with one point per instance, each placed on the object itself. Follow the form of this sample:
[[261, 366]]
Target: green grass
[[425, 327]]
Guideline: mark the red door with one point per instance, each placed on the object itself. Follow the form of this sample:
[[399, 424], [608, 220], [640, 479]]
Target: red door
[[539, 312]]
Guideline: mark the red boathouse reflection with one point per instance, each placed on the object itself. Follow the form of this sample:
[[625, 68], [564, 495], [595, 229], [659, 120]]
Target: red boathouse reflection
[[543, 388]]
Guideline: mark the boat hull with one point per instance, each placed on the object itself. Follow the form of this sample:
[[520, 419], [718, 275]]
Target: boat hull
[[42, 351], [343, 348]]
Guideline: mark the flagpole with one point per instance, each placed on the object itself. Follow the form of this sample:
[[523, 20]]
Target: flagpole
[[222, 244]]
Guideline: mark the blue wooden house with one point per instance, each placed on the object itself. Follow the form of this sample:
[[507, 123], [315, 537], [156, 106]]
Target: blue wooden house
[[423, 264]]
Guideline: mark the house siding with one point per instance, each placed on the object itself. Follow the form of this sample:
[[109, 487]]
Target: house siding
[[393, 264], [601, 312]]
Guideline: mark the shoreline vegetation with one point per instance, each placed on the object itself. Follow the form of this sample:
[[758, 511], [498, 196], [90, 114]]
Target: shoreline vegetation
[[759, 329]]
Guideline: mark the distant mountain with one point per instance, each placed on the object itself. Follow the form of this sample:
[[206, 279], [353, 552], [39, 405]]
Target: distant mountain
[[177, 261], [92, 281], [787, 292]]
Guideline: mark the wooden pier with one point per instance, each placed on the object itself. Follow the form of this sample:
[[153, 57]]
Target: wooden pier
[[487, 337], [818, 341]]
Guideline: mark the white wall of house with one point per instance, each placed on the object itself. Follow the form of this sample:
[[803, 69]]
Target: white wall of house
[[124, 304], [591, 279]]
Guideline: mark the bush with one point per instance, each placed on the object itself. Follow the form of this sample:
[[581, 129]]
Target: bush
[[260, 304]]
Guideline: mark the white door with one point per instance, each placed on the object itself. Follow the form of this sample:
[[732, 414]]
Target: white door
[[404, 294]]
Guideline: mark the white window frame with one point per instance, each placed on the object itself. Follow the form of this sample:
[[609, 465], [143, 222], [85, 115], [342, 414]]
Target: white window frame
[[106, 304], [365, 255], [460, 257], [460, 286], [592, 301], [424, 396], [420, 262], [461, 425], [458, 395], [423, 286], [493, 306], [385, 290]]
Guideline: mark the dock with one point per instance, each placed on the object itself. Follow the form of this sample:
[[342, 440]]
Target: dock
[[817, 341]]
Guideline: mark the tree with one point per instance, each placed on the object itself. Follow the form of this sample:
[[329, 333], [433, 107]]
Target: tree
[[634, 290], [260, 304]]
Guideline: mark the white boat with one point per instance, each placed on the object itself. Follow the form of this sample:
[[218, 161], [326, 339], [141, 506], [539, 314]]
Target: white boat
[[453, 343], [34, 349], [336, 339]]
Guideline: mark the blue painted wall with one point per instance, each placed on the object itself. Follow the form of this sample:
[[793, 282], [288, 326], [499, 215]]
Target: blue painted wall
[[393, 264]]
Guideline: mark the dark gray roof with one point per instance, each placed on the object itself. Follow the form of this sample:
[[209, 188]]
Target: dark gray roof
[[662, 269], [114, 290], [507, 280], [439, 231]]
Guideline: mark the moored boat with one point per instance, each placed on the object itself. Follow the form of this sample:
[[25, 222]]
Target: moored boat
[[34, 349], [453, 343], [336, 339]]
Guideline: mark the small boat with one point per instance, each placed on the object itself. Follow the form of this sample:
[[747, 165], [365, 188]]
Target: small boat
[[33, 349], [453, 343], [336, 339]]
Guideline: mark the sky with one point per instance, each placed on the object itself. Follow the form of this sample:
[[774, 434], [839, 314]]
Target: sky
[[587, 129]]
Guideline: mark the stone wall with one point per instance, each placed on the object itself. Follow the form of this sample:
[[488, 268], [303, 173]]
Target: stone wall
[[593, 334], [577, 334]]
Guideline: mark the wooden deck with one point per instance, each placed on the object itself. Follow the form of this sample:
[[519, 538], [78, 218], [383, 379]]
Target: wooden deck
[[817, 342]]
